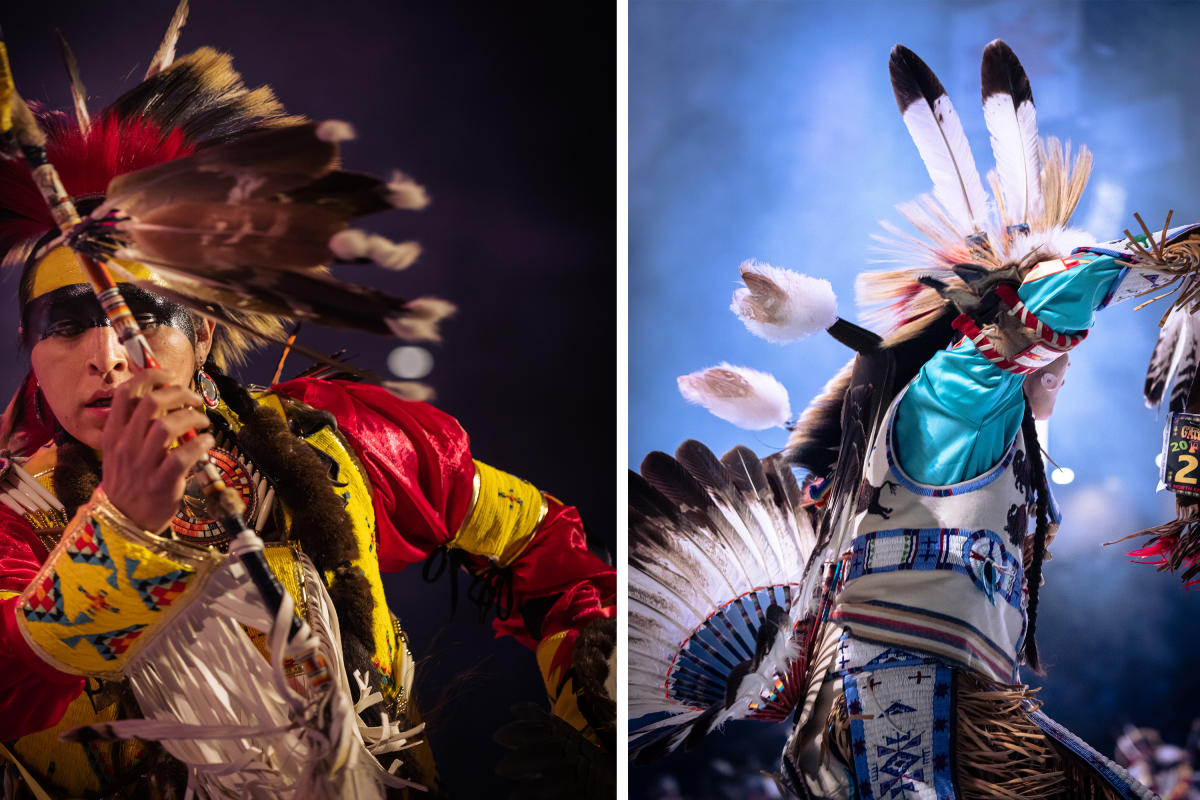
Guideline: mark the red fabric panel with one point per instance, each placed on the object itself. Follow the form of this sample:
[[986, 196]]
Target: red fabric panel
[[417, 458], [21, 551], [557, 561], [33, 695]]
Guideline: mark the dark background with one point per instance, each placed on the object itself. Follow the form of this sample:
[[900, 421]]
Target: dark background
[[505, 113]]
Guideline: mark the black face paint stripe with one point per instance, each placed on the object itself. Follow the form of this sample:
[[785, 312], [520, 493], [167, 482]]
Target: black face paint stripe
[[75, 308]]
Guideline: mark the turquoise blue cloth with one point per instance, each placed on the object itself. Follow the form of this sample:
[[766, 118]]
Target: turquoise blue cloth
[[961, 412]]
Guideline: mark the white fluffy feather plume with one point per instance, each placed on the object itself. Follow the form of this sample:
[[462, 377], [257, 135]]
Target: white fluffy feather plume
[[352, 243], [718, 549], [1011, 120], [937, 131], [783, 306], [335, 130], [1054, 242], [748, 398]]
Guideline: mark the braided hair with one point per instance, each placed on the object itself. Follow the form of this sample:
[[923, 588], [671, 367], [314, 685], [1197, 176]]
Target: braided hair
[[1033, 570]]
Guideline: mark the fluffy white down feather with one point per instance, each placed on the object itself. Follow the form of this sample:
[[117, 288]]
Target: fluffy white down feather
[[334, 130], [352, 243], [1055, 242], [746, 397], [782, 306]]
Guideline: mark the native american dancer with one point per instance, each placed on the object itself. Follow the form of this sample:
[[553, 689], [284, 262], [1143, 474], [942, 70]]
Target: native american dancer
[[889, 599], [118, 609]]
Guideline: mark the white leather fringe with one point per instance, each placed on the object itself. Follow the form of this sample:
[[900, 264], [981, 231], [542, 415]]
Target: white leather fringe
[[242, 727]]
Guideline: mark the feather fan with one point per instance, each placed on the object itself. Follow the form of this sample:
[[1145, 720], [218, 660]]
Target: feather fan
[[938, 133], [718, 630], [1011, 119]]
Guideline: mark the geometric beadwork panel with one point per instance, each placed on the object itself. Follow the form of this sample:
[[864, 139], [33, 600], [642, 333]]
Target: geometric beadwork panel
[[160, 590], [109, 644], [900, 731], [89, 547]]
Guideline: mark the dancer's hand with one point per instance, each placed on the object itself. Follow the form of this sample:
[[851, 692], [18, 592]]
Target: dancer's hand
[[144, 473]]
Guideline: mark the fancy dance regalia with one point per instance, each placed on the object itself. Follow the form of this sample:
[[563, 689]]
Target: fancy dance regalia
[[889, 601], [343, 480]]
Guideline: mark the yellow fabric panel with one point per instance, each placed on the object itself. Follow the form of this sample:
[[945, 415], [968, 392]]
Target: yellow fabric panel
[[4, 594], [106, 585], [283, 560], [357, 496], [41, 466], [8, 92], [566, 705], [504, 514], [74, 768]]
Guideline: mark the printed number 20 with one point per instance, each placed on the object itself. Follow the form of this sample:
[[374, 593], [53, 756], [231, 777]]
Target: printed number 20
[[1189, 465]]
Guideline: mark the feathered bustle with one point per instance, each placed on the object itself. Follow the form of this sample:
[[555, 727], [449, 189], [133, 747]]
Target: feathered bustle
[[717, 624], [746, 397], [782, 306]]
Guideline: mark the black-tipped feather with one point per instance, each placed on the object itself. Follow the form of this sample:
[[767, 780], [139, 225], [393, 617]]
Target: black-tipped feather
[[745, 470], [703, 465], [676, 483], [1001, 73], [912, 79], [648, 501]]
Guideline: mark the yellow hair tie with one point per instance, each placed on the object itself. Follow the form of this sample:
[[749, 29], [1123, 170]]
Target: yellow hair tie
[[60, 267]]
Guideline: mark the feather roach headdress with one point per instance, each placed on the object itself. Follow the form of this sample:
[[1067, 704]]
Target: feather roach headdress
[[234, 205]]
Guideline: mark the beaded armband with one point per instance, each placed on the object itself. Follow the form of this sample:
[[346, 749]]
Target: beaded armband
[[106, 589], [505, 512]]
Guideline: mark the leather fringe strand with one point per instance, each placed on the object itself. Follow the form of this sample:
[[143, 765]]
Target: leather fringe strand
[[1000, 753]]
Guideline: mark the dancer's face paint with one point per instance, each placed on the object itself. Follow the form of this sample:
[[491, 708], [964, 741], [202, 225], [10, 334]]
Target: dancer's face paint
[[78, 361]]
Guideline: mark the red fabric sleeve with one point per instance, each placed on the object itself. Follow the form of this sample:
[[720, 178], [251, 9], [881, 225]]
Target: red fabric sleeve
[[418, 460], [33, 695], [557, 561]]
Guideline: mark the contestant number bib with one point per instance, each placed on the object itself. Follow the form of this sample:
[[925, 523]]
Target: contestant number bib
[[1181, 454]]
